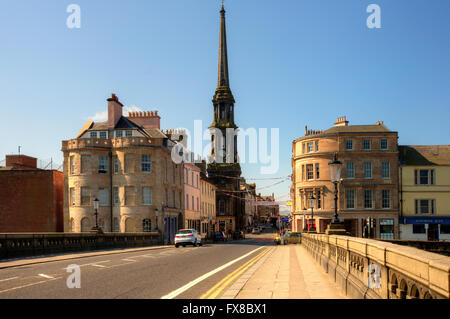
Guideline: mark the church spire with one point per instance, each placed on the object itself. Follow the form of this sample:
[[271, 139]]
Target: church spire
[[223, 79]]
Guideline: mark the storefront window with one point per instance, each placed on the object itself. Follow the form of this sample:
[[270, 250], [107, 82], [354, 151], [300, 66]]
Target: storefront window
[[386, 229]]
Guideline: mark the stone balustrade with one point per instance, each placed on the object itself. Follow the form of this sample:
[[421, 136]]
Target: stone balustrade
[[24, 244], [366, 268]]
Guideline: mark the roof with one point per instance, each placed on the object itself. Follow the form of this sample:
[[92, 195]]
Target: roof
[[424, 154], [359, 129]]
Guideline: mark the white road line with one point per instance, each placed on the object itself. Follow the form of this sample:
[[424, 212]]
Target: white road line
[[126, 259], [9, 279], [46, 276], [180, 290], [99, 266], [35, 283]]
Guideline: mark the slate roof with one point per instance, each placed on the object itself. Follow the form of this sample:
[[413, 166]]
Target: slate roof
[[424, 154]]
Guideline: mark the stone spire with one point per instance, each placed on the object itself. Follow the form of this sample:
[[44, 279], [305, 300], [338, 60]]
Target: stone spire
[[223, 79]]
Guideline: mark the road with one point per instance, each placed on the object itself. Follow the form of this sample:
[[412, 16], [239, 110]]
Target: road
[[185, 272]]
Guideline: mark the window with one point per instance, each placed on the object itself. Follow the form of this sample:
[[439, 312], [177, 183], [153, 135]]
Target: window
[[310, 147], [386, 198], [319, 200], [350, 196], [166, 197], [146, 163], [367, 170], [116, 196], [173, 198], [103, 196], [349, 145], [85, 163], [72, 196], [384, 144], [128, 133], [119, 134], [424, 176], [425, 206], [303, 148], [116, 225], [366, 145], [130, 196], [102, 165], [445, 229], [103, 134], [197, 204], [420, 229], [368, 198], [317, 145], [146, 225], [193, 203], [187, 201], [85, 196], [350, 170], [116, 164], [317, 171], [309, 171], [385, 170], [192, 178], [387, 229], [93, 134], [72, 165], [303, 172]]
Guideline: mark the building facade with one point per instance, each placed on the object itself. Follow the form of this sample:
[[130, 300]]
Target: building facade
[[207, 207], [425, 192], [192, 187], [126, 164], [31, 199], [224, 169], [368, 190]]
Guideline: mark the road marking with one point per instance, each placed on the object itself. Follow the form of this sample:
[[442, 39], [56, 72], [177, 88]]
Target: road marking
[[46, 276], [214, 291], [35, 283], [9, 279], [99, 266], [180, 290], [126, 259]]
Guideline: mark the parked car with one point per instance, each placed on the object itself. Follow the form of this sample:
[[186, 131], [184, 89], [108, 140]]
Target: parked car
[[291, 238], [238, 235], [256, 230], [220, 236], [188, 237]]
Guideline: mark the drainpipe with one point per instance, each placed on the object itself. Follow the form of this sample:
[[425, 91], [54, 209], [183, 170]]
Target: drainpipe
[[111, 190]]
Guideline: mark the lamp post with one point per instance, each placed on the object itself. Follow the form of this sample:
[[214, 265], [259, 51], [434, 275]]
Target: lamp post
[[156, 217], [96, 229], [336, 227], [312, 200]]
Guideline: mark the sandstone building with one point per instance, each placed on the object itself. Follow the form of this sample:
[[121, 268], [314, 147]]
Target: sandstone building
[[368, 191], [126, 164], [192, 194]]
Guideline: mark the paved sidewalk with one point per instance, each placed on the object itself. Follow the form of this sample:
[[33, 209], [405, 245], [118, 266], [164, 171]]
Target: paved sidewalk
[[287, 272]]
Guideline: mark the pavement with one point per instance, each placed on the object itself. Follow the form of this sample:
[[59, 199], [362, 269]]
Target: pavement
[[284, 272]]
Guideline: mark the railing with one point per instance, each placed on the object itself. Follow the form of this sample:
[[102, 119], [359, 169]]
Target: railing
[[24, 244], [366, 268]]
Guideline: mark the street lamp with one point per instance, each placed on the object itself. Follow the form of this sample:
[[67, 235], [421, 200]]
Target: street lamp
[[336, 227], [96, 204], [312, 201], [156, 216]]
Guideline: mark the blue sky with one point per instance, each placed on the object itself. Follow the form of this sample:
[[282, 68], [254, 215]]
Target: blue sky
[[292, 63]]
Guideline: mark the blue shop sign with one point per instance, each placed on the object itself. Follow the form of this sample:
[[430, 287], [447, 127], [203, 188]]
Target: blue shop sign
[[285, 220], [427, 220]]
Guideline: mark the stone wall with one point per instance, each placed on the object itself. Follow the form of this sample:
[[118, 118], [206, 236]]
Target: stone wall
[[371, 269]]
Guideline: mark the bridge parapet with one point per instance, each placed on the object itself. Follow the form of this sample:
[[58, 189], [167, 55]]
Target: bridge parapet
[[367, 268]]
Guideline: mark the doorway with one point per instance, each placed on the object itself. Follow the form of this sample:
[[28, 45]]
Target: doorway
[[433, 232]]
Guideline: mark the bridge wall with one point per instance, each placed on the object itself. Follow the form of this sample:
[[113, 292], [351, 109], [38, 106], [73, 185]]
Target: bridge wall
[[23, 245], [371, 269]]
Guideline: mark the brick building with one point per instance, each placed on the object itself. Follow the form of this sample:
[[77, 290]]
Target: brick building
[[126, 163], [368, 191], [31, 199]]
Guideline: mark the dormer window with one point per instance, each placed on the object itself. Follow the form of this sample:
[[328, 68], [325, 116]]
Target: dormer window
[[103, 134], [93, 134], [128, 133], [119, 134]]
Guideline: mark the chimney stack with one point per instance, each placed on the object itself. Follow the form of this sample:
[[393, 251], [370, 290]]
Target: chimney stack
[[341, 121], [146, 119], [114, 110]]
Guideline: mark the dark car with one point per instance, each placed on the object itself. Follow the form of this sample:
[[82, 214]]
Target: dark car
[[238, 235], [219, 236]]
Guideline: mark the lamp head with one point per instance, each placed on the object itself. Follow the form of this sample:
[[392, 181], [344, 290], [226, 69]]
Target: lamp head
[[335, 169]]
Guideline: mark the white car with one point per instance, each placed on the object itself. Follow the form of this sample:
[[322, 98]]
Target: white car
[[188, 237]]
